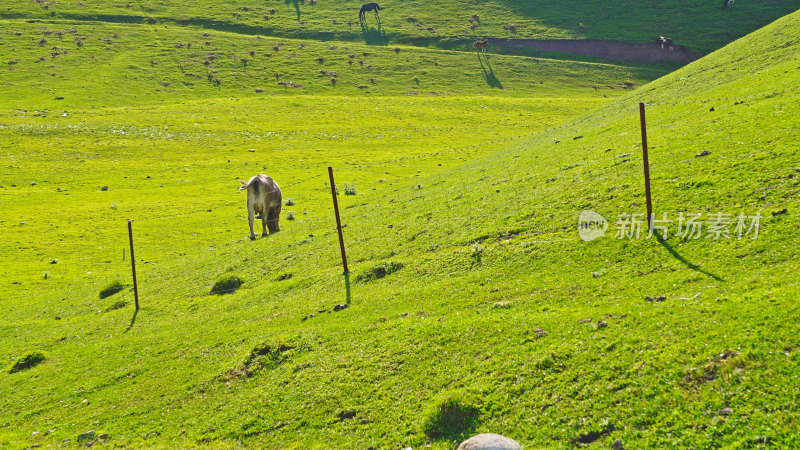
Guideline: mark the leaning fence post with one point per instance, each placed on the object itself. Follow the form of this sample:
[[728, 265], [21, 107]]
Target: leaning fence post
[[338, 220], [133, 265], [646, 169]]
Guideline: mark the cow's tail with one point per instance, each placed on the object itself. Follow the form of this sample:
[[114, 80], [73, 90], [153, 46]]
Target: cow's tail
[[245, 185]]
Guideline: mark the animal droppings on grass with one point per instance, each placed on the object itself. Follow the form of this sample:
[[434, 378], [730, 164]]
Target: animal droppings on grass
[[27, 361], [703, 153], [778, 213], [111, 289], [346, 415], [284, 277], [226, 285], [503, 305], [656, 299], [379, 271], [451, 417]]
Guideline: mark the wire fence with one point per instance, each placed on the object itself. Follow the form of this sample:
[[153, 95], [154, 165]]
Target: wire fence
[[184, 245]]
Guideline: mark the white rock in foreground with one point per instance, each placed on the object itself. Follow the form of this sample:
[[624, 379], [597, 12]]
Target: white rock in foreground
[[489, 441]]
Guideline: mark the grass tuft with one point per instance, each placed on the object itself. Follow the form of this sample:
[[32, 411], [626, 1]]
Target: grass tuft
[[27, 361], [379, 271], [228, 284], [451, 417], [119, 304], [111, 289]]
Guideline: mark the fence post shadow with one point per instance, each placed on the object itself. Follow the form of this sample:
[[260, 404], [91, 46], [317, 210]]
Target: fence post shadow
[[347, 287], [680, 258], [133, 320]]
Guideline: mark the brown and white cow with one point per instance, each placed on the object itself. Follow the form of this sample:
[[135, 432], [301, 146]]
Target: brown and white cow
[[265, 198]]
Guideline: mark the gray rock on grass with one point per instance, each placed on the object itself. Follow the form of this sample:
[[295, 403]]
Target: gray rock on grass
[[489, 441]]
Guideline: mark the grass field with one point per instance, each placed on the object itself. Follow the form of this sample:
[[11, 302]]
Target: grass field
[[91, 66], [467, 199], [700, 25]]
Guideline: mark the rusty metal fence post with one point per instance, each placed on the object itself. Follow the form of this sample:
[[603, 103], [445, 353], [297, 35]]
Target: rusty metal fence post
[[646, 169], [133, 265], [338, 220]]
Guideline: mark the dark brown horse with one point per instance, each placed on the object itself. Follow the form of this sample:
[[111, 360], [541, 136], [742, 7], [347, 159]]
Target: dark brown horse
[[367, 8]]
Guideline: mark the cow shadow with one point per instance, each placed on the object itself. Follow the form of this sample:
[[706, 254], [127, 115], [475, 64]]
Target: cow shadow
[[296, 4], [683, 260], [374, 36], [488, 71]]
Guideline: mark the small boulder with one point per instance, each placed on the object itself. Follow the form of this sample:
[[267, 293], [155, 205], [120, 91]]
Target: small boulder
[[489, 441], [104, 188], [703, 153], [88, 436]]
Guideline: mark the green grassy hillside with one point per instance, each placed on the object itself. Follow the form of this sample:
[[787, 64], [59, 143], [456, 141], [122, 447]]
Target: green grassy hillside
[[494, 315], [63, 65], [700, 25]]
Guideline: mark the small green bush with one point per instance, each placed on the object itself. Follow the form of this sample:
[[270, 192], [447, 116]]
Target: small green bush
[[228, 284], [290, 215], [289, 202], [379, 271], [111, 289], [451, 417], [27, 361], [349, 189]]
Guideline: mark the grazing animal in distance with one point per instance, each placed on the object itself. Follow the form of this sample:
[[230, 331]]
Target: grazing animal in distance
[[264, 197], [662, 40], [481, 45], [367, 7], [727, 3]]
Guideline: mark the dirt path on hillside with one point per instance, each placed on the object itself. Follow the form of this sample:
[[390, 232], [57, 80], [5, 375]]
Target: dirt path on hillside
[[608, 50]]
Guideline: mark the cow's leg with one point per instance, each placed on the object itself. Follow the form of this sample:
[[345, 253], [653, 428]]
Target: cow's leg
[[264, 223], [250, 220], [274, 217]]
